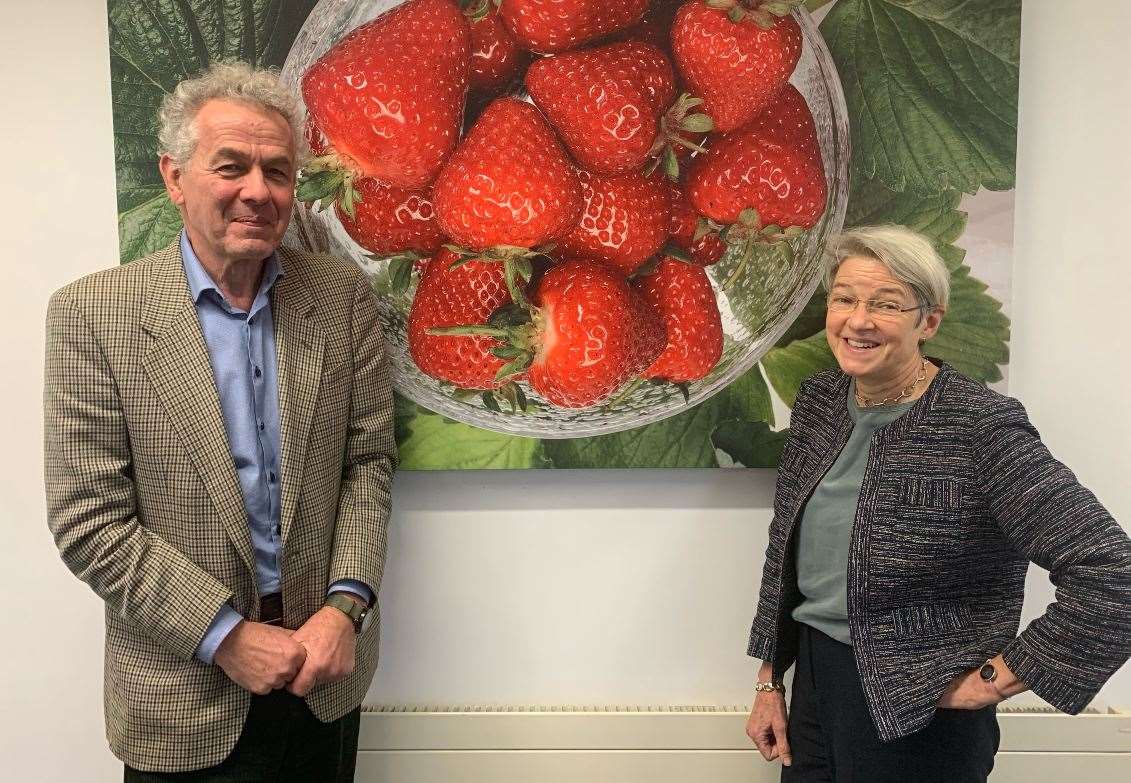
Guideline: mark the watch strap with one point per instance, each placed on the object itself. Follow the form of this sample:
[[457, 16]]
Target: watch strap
[[350, 608]]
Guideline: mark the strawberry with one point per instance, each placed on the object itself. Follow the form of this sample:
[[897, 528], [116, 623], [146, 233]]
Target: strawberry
[[495, 57], [389, 96], [550, 26], [681, 293], [773, 165], [585, 335], [626, 219], [508, 183], [690, 233], [595, 334], [606, 102], [736, 60], [446, 296], [388, 220]]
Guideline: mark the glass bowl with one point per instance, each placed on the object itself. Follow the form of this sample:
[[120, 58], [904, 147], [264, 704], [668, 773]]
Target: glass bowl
[[756, 309]]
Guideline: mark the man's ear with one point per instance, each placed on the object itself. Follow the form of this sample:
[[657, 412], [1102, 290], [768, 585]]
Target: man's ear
[[171, 174]]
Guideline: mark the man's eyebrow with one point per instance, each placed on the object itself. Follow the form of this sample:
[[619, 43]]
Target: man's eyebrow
[[231, 153]]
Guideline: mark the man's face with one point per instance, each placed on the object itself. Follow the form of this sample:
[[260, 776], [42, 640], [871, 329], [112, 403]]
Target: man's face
[[236, 191]]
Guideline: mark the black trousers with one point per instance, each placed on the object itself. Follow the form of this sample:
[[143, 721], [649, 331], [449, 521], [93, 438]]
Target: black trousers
[[833, 739], [282, 742]]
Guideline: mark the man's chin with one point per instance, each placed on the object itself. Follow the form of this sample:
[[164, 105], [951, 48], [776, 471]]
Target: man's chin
[[252, 248]]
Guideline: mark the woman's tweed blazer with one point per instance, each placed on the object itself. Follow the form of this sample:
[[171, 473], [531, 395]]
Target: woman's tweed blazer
[[959, 494]]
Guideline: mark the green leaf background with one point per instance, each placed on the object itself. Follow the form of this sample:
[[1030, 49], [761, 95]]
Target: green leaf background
[[931, 90]]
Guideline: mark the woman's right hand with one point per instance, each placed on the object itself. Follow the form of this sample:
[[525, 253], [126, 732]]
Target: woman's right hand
[[767, 726]]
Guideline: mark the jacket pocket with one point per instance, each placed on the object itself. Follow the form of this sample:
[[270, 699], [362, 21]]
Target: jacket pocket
[[942, 494], [932, 619]]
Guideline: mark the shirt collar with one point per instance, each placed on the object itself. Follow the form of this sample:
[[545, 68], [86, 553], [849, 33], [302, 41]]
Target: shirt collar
[[200, 281]]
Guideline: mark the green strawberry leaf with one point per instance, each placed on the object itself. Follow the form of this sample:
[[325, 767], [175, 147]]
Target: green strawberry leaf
[[974, 336], [808, 322], [787, 367], [751, 443], [682, 441], [931, 88], [746, 398], [154, 44], [428, 441], [935, 216]]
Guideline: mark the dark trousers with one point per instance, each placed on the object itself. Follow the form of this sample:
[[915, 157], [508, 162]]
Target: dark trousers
[[282, 742], [833, 739]]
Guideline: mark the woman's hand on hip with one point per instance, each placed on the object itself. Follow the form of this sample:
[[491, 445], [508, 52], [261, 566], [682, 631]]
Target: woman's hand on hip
[[969, 691], [767, 726]]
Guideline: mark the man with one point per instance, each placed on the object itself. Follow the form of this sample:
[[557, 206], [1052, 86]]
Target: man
[[219, 451]]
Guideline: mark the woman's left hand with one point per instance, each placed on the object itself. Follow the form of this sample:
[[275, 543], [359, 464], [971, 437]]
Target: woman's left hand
[[969, 691]]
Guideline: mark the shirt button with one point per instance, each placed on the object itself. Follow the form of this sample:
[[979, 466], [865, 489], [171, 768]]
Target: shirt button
[[258, 373], [261, 426], [272, 477]]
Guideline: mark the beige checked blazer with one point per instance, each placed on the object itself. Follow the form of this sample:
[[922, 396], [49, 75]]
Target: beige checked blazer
[[146, 507]]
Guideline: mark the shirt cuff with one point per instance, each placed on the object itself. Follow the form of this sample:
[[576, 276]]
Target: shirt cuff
[[226, 619], [352, 586]]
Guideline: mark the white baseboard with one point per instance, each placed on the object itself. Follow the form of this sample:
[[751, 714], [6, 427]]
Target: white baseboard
[[684, 744]]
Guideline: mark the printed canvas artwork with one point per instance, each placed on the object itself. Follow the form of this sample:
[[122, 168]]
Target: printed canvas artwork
[[596, 235]]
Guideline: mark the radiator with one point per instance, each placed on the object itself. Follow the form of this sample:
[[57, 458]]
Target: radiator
[[626, 744]]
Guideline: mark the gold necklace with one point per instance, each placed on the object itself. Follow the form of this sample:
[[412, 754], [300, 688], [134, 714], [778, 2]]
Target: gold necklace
[[864, 402]]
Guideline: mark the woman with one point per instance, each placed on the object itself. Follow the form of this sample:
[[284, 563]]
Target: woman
[[909, 503]]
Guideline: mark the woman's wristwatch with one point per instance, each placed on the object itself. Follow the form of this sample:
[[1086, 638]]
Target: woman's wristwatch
[[766, 687]]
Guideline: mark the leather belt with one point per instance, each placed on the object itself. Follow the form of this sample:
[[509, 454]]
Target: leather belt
[[271, 609]]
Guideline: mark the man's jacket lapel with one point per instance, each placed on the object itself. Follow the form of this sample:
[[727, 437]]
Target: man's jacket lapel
[[299, 345], [178, 366]]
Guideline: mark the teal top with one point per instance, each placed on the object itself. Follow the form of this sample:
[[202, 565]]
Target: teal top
[[826, 525]]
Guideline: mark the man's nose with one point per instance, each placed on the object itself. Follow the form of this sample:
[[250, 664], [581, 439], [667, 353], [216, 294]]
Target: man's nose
[[255, 187]]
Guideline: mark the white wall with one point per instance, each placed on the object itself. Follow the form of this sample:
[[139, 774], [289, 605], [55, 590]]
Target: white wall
[[538, 588]]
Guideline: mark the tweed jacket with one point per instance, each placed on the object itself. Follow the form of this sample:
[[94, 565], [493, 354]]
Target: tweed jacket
[[958, 495], [146, 507]]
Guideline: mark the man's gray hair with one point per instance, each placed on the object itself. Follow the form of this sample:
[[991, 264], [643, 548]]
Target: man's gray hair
[[909, 256], [231, 81]]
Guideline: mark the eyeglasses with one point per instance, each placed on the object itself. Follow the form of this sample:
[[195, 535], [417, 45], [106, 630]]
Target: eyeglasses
[[879, 308]]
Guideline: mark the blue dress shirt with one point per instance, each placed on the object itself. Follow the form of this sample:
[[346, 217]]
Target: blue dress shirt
[[241, 349]]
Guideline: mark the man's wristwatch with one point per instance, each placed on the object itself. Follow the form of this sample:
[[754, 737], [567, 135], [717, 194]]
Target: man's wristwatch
[[355, 611], [988, 673]]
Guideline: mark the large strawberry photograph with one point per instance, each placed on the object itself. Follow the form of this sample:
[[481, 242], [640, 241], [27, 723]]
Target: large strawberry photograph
[[594, 229]]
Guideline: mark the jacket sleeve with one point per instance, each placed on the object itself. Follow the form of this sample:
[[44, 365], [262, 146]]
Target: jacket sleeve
[[1068, 653], [371, 454], [763, 631], [91, 504]]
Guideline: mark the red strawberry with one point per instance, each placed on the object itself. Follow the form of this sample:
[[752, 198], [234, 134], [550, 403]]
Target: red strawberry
[[388, 220], [626, 219], [681, 293], [593, 334], [605, 102], [508, 183], [686, 223], [467, 294], [779, 174], [389, 96], [550, 26], [787, 121], [736, 67], [495, 57]]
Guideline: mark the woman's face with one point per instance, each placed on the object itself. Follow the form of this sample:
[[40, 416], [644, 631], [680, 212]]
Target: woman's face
[[877, 347]]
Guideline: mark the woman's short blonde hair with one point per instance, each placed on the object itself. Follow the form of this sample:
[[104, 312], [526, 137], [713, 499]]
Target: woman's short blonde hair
[[908, 255], [232, 81]]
